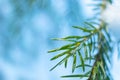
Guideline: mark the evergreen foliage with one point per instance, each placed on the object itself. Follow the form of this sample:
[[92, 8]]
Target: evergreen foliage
[[93, 49]]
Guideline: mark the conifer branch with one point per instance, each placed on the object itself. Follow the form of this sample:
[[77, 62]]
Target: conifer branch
[[96, 39]]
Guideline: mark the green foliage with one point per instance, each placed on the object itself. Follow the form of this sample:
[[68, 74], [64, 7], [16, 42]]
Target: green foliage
[[83, 47], [91, 50]]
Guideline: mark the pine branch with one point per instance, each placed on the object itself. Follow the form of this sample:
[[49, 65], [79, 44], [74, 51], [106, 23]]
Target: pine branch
[[97, 39], [97, 64]]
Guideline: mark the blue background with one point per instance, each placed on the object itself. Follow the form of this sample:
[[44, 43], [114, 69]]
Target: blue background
[[26, 29]]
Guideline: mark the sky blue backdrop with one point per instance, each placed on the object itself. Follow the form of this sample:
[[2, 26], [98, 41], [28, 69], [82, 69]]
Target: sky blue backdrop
[[26, 27]]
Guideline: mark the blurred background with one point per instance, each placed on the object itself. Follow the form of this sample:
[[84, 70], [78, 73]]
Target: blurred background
[[26, 29]]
